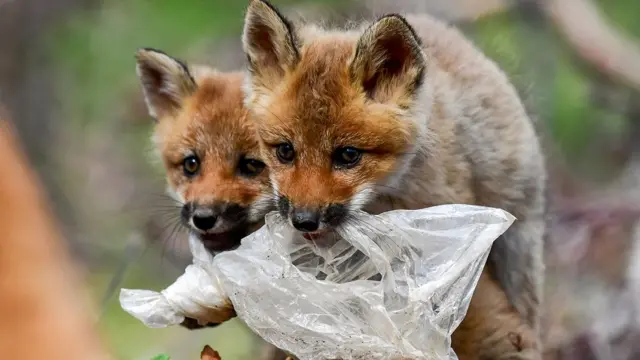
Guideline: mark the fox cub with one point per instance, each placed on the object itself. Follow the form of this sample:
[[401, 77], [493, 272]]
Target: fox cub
[[403, 113], [209, 149]]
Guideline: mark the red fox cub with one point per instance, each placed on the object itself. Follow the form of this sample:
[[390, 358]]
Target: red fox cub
[[209, 149], [403, 113]]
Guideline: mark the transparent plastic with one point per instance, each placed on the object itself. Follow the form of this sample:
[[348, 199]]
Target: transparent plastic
[[388, 286]]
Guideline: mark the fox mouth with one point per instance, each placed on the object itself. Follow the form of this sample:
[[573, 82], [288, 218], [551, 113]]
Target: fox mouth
[[322, 238], [315, 235], [224, 241]]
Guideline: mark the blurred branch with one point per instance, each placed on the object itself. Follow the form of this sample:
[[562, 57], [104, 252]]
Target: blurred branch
[[469, 10], [595, 40], [454, 11], [583, 26]]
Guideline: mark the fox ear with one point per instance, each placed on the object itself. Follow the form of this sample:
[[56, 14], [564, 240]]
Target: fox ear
[[166, 82], [268, 41], [388, 63]]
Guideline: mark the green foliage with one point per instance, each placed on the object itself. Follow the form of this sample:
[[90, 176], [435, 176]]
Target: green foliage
[[95, 50], [161, 357]]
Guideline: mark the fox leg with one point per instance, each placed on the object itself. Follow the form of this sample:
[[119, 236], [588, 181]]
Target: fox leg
[[192, 324], [493, 329], [503, 320], [516, 263]]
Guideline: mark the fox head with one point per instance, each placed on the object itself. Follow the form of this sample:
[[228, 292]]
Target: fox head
[[208, 146], [335, 111]]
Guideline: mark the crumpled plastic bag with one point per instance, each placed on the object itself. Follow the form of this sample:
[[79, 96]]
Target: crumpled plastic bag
[[388, 286]]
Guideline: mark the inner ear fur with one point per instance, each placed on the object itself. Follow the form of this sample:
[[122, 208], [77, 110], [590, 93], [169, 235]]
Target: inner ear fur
[[166, 81], [388, 60], [269, 42]]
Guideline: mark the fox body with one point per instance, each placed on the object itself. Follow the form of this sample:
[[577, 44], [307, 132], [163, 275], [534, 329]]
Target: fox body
[[209, 149], [403, 113]]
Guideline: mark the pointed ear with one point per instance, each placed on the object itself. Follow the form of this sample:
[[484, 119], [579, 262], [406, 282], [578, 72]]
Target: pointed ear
[[269, 42], [166, 82], [388, 62]]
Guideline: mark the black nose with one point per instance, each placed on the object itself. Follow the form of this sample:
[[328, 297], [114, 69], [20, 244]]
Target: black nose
[[204, 221], [305, 220]]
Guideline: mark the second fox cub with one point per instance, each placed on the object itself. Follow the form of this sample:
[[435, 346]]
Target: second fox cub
[[208, 147], [404, 113]]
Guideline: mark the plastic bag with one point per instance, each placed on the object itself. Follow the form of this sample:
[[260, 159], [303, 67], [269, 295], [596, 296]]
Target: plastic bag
[[388, 286]]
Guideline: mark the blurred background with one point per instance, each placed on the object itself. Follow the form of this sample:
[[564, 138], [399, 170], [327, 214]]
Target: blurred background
[[67, 76]]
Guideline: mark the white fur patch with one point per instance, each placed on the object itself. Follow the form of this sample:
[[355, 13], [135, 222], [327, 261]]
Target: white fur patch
[[260, 207], [247, 88], [362, 198], [175, 194]]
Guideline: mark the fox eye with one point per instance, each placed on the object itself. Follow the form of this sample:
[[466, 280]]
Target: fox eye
[[346, 157], [250, 167], [191, 165], [285, 153]]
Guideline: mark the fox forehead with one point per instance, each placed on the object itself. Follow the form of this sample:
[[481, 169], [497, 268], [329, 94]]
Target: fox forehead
[[317, 104], [212, 124]]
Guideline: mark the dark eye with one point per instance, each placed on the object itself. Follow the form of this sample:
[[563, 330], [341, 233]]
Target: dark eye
[[285, 153], [191, 165], [346, 157], [250, 167]]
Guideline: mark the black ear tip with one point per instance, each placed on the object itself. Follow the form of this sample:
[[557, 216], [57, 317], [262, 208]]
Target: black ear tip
[[143, 54], [257, 5], [261, 3], [140, 52], [400, 22], [394, 16], [396, 20], [147, 50], [262, 6]]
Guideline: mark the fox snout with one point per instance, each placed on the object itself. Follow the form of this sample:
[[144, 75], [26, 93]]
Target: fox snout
[[305, 220], [212, 218], [204, 219], [312, 218]]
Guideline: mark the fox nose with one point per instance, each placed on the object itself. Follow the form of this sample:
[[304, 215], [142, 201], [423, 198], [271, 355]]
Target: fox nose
[[203, 219], [305, 220]]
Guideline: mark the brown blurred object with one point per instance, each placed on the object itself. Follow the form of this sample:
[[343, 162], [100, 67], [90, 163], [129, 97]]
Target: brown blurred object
[[42, 310], [209, 354]]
